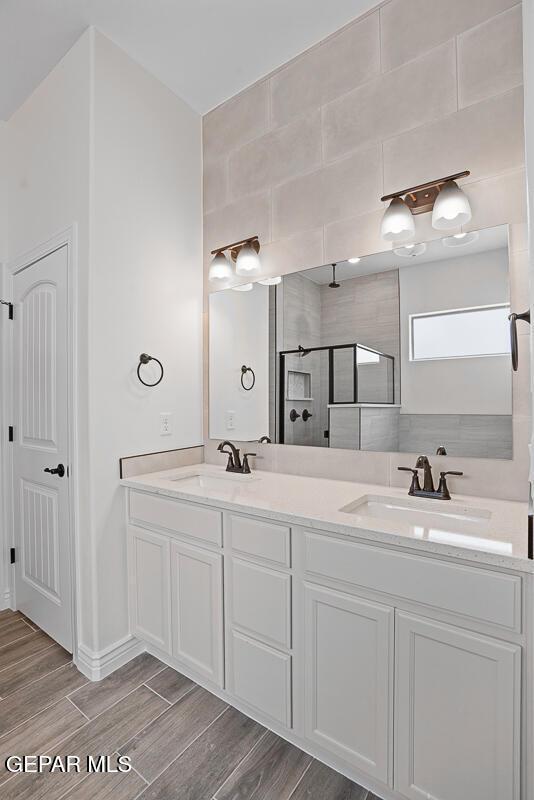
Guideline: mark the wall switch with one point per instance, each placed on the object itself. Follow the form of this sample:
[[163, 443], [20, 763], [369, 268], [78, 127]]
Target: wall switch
[[165, 423], [230, 420]]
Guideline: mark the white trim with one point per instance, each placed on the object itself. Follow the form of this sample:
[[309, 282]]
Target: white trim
[[69, 238], [98, 665], [5, 599]]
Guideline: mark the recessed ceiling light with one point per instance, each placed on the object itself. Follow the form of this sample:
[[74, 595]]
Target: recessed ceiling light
[[410, 250], [460, 240], [245, 287], [354, 260]]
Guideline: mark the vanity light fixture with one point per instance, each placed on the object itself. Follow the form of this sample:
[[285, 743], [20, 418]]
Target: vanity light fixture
[[244, 287], [448, 203], [244, 253], [271, 281], [220, 269]]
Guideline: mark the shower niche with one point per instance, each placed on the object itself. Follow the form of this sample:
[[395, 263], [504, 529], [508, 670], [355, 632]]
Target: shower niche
[[407, 350]]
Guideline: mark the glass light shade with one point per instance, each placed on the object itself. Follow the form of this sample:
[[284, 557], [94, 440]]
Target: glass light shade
[[354, 260], [245, 287], [220, 269], [397, 223], [460, 239], [248, 261], [271, 281], [451, 208]]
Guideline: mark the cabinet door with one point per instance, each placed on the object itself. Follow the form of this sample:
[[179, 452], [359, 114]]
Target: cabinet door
[[197, 628], [457, 713], [149, 586], [348, 678]]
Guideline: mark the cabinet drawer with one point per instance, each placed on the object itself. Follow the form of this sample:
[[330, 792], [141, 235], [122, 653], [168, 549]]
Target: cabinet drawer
[[260, 601], [262, 539], [261, 677], [478, 594], [175, 515]]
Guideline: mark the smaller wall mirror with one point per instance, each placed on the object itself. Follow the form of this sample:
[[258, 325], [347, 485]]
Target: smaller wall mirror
[[406, 350]]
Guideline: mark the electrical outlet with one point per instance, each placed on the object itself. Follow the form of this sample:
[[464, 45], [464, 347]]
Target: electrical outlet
[[165, 423], [230, 420]]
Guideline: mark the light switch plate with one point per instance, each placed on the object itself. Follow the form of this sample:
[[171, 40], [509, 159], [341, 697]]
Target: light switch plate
[[230, 420]]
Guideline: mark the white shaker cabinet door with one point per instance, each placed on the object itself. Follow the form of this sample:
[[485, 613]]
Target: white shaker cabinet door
[[149, 586], [197, 610], [348, 678], [457, 728]]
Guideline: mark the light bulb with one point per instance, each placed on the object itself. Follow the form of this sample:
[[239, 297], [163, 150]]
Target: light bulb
[[220, 269], [451, 208], [354, 260], [248, 261], [397, 223], [460, 239], [245, 287], [271, 281]]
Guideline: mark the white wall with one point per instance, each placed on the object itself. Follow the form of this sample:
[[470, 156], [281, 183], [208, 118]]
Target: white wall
[[145, 295], [239, 334], [4, 582], [103, 144], [463, 385]]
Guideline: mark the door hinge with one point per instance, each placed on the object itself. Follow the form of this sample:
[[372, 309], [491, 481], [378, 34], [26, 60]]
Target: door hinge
[[10, 433], [9, 305], [12, 555]]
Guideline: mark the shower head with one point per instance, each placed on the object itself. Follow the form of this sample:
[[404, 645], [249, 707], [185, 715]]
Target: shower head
[[334, 284]]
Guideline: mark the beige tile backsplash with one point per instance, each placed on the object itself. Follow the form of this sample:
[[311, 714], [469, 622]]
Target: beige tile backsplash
[[411, 91]]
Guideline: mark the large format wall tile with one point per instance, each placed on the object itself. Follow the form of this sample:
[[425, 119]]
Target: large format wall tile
[[235, 122], [490, 58], [215, 185], [277, 156], [356, 236], [249, 216], [334, 67], [419, 92], [486, 138], [296, 252], [412, 27], [342, 189]]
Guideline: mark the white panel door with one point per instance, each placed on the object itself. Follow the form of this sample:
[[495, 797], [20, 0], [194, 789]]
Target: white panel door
[[197, 609], [149, 577], [457, 729], [43, 584], [348, 678]]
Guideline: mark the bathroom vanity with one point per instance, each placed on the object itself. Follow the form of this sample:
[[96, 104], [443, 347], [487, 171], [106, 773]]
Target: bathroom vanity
[[391, 637]]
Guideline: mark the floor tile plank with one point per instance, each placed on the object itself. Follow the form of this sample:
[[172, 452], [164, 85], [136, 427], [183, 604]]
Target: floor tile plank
[[96, 697], [29, 646], [13, 630], [9, 618], [107, 786], [153, 749], [27, 702], [41, 733], [171, 685], [322, 783], [100, 736], [32, 669], [205, 765], [270, 772]]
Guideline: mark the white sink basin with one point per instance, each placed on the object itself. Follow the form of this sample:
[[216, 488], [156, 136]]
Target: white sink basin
[[422, 512], [201, 480]]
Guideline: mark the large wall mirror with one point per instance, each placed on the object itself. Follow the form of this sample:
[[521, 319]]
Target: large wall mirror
[[406, 350]]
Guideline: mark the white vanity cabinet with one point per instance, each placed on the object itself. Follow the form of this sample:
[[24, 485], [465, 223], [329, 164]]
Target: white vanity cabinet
[[457, 712], [399, 668]]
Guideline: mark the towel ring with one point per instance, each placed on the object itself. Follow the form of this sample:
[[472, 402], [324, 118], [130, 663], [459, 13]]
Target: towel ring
[[244, 371], [144, 358]]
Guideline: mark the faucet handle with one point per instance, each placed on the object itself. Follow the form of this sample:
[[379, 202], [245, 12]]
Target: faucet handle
[[246, 465], [415, 486], [450, 472], [443, 489]]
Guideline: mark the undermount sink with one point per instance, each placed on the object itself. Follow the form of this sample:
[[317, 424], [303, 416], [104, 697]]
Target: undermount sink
[[417, 511], [201, 480]]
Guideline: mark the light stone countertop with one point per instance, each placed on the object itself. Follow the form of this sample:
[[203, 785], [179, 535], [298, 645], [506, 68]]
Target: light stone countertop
[[500, 540]]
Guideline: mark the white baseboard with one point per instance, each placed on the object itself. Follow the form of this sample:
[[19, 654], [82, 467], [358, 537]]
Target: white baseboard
[[97, 665], [5, 599]]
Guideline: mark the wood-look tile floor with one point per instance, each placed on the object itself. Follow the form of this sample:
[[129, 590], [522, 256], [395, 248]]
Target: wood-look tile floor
[[184, 743]]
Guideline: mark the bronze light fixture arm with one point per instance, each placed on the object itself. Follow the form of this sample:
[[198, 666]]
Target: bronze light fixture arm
[[421, 198], [235, 247]]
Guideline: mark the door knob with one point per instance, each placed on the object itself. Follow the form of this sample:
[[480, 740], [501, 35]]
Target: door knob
[[59, 470]]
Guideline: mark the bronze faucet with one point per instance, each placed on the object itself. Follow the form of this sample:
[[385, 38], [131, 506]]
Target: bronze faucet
[[234, 463], [428, 490]]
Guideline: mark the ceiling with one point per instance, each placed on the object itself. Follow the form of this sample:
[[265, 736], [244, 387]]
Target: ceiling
[[204, 50]]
